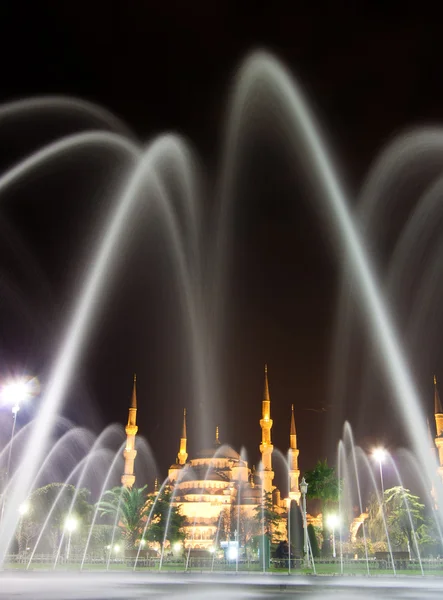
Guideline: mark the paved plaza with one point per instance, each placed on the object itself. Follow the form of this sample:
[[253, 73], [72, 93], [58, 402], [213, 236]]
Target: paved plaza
[[109, 586]]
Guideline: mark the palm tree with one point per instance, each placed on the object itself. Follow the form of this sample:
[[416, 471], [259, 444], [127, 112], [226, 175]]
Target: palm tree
[[129, 507], [323, 485]]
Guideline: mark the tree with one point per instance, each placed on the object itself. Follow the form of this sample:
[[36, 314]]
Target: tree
[[313, 542], [129, 507], [323, 485], [244, 523], [374, 523], [53, 501], [27, 530], [224, 525], [295, 527], [160, 528], [267, 517], [102, 536], [404, 513]]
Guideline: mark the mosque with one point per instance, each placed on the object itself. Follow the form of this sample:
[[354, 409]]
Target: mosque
[[208, 486], [218, 478]]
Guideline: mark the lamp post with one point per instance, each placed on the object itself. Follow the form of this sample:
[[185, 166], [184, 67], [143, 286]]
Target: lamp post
[[333, 521], [380, 454], [304, 490], [23, 510], [70, 526], [13, 393]]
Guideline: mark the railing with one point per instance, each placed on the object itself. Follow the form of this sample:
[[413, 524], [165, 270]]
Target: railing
[[325, 565]]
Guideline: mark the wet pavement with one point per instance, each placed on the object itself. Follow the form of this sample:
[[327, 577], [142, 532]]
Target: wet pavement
[[109, 586]]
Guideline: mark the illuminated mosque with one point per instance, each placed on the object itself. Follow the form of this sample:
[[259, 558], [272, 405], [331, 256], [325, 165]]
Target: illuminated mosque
[[218, 478]]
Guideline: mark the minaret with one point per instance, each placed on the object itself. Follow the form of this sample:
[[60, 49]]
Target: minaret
[[438, 412], [433, 452], [217, 438], [294, 471], [266, 447], [182, 455], [131, 429]]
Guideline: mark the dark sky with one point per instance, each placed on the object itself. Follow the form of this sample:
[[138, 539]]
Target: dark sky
[[368, 73]]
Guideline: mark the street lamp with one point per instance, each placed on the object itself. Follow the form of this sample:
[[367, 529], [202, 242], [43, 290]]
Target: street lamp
[[333, 521], [14, 393], [380, 454], [304, 491], [23, 509], [70, 526]]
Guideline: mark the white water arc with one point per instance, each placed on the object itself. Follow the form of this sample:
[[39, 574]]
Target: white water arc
[[97, 446], [414, 151], [262, 73], [35, 107], [415, 259], [165, 149], [84, 439], [265, 73], [104, 487]]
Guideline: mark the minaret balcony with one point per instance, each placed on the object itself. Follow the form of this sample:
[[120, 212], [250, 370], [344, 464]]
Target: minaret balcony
[[130, 453], [131, 429]]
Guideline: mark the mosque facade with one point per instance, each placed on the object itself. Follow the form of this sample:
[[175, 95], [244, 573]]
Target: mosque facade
[[208, 486]]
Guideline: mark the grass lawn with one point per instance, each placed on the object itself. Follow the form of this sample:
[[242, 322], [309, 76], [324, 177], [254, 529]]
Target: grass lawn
[[321, 569]]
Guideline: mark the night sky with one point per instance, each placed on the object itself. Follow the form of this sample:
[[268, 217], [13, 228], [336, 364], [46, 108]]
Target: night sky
[[368, 76]]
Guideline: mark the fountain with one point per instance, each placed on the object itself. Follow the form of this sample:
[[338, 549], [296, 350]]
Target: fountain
[[148, 171]]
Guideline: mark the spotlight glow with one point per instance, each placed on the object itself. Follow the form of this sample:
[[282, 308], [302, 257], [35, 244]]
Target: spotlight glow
[[333, 521], [379, 454]]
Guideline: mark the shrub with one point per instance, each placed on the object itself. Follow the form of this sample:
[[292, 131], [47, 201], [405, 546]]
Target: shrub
[[313, 541]]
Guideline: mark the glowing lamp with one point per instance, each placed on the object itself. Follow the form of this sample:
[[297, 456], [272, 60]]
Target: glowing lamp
[[379, 454], [71, 524], [23, 509], [16, 391], [333, 521]]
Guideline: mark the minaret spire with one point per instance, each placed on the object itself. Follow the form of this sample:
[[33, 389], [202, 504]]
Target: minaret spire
[[266, 447], [131, 429], [266, 395], [184, 434], [182, 455], [294, 472], [134, 393], [438, 414], [292, 432]]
